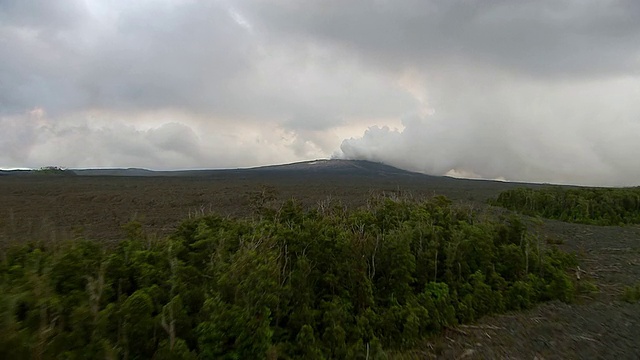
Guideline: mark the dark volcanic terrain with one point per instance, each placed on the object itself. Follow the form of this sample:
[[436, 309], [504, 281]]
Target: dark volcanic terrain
[[97, 203]]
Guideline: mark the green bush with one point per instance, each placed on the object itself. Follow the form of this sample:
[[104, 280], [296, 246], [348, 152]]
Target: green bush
[[596, 206], [631, 294], [290, 284]]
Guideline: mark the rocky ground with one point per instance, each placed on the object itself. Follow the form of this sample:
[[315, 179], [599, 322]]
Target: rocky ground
[[598, 326]]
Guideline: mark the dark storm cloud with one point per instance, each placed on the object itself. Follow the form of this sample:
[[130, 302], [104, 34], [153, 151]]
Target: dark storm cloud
[[541, 38], [191, 55], [42, 15], [145, 57], [523, 90]]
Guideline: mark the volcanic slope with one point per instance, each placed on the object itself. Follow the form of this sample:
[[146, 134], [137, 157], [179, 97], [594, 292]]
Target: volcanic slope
[[97, 202], [327, 167]]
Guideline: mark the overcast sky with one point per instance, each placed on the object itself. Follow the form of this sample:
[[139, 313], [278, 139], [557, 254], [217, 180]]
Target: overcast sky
[[540, 90]]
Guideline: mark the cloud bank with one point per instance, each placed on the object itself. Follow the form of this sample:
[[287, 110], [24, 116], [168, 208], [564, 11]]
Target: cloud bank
[[540, 91]]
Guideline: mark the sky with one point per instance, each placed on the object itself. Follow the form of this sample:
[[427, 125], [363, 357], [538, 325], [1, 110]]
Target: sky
[[539, 91]]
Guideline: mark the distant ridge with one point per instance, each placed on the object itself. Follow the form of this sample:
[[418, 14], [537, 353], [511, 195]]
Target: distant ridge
[[118, 172], [337, 165], [40, 172], [320, 166], [324, 168]]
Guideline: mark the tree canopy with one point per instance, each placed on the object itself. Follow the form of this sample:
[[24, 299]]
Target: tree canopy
[[596, 206], [323, 283]]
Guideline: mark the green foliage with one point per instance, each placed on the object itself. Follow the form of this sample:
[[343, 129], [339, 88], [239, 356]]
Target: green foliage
[[631, 294], [596, 206], [586, 287], [293, 284]]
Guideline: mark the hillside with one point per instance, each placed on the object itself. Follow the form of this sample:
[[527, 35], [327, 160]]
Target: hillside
[[333, 166]]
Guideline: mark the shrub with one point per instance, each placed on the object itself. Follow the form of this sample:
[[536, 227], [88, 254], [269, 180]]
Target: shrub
[[291, 283], [596, 206], [631, 294]]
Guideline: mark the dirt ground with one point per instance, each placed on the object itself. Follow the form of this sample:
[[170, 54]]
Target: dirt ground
[[51, 207], [597, 326]]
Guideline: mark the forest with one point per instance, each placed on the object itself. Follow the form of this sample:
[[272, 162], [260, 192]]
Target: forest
[[286, 283], [595, 206]]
